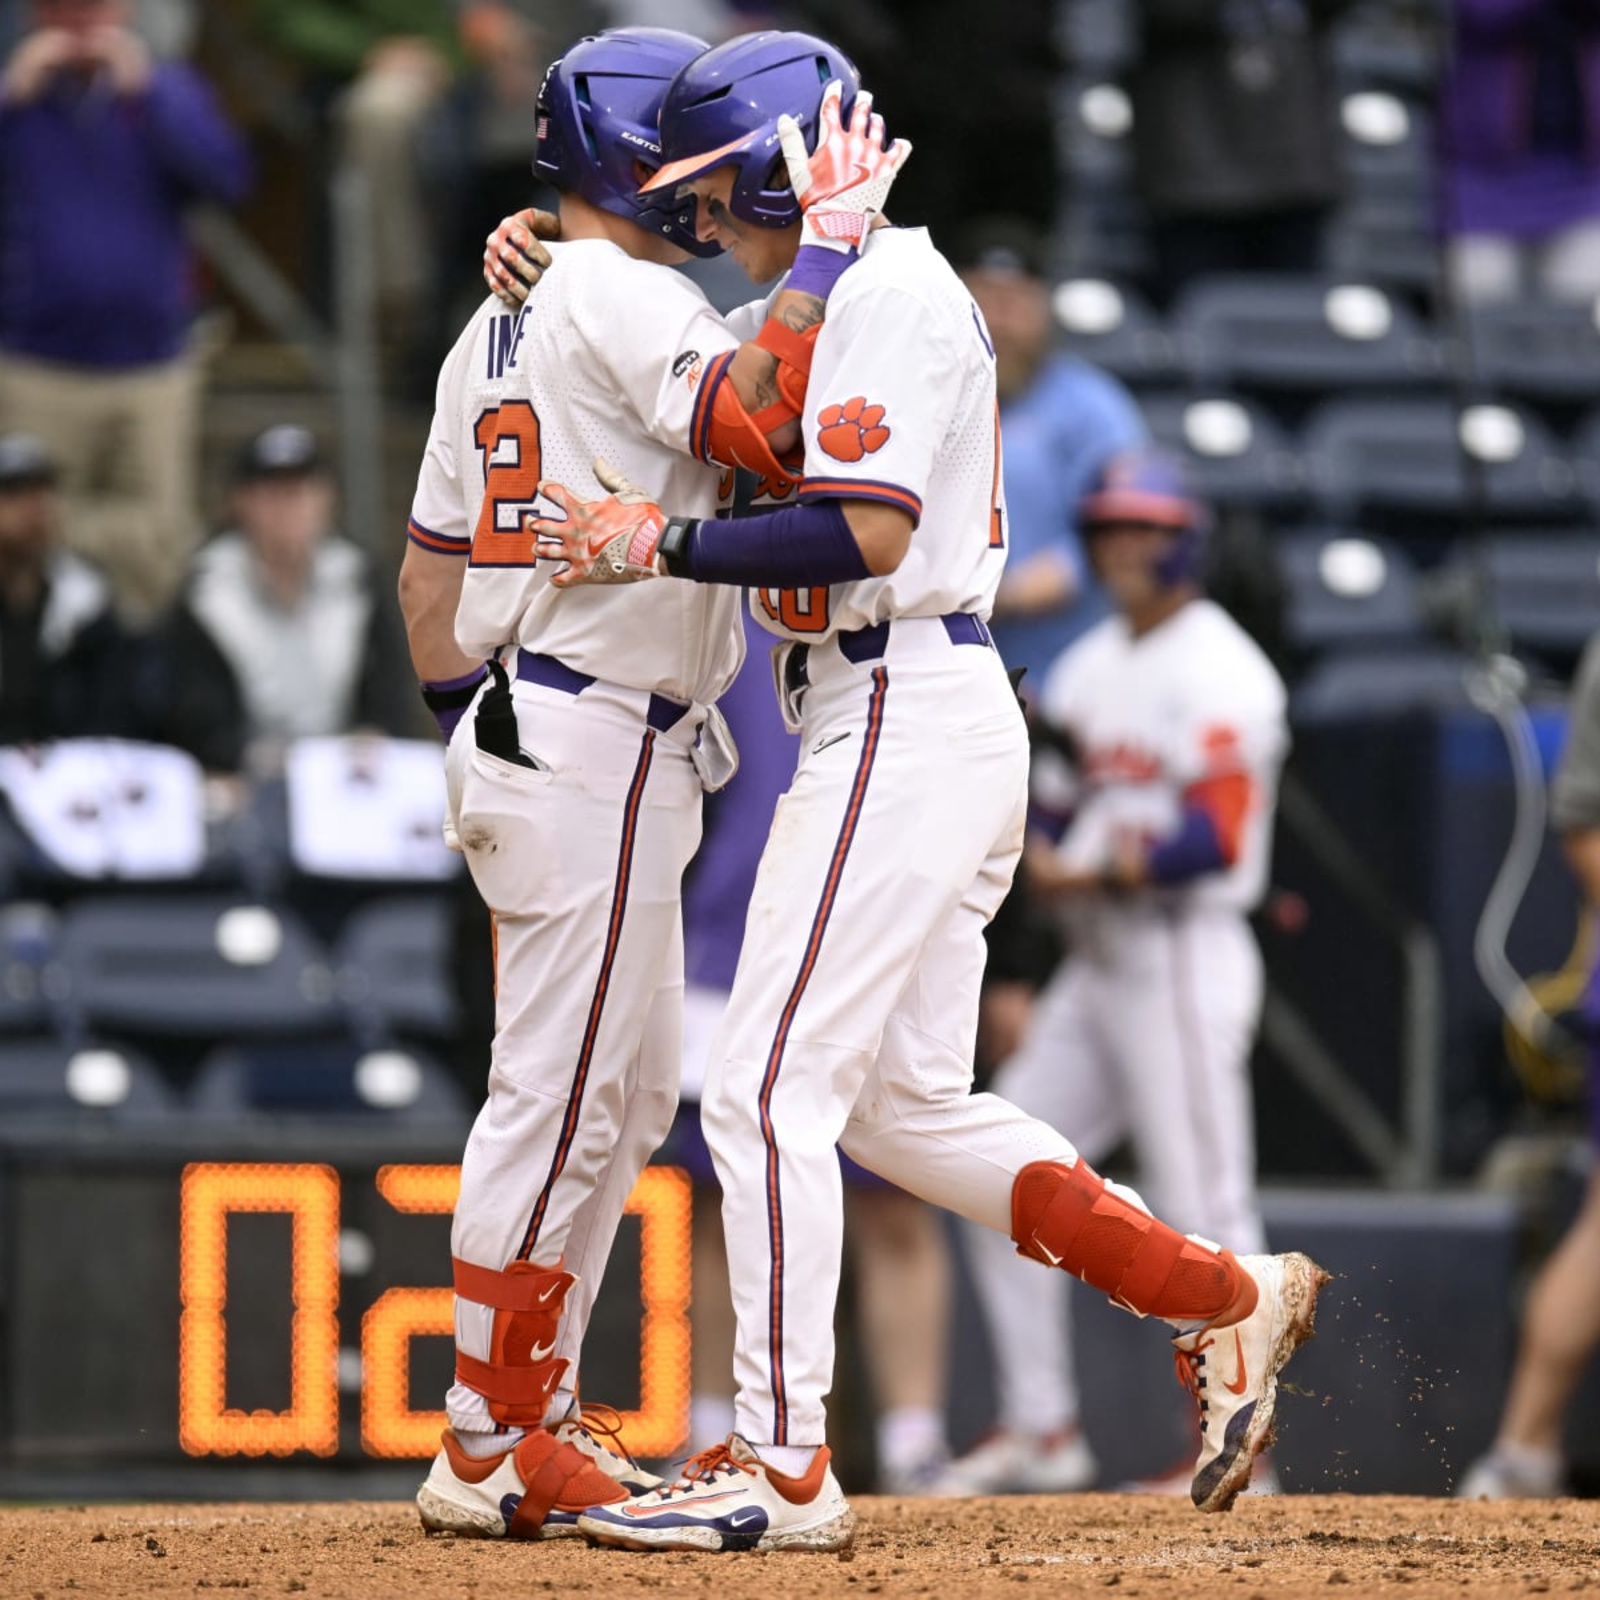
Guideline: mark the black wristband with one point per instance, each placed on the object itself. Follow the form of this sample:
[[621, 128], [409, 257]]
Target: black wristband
[[675, 545]]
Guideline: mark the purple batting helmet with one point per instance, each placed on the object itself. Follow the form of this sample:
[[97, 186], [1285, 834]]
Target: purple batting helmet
[[597, 114], [1153, 489], [723, 110]]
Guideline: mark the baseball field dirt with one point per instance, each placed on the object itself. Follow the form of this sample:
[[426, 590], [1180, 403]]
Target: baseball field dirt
[[1293, 1545]]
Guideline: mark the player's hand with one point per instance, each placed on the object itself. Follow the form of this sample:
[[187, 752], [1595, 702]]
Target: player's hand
[[39, 58], [1050, 877], [124, 55], [513, 259], [602, 541], [843, 183]]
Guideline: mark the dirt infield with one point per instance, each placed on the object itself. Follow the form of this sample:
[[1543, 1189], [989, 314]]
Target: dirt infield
[[1296, 1544]]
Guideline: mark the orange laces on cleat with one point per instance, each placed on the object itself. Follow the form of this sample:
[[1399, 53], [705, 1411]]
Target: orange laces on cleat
[[605, 1422], [1190, 1365], [704, 1468]]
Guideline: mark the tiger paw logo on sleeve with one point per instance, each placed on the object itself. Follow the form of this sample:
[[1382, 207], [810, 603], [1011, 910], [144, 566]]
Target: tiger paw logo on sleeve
[[852, 430]]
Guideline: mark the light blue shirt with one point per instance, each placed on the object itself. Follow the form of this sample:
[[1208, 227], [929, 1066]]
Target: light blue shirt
[[1056, 437]]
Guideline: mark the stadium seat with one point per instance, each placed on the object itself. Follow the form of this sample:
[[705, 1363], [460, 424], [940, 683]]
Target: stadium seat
[[1384, 240], [1347, 589], [1426, 456], [1387, 151], [50, 1076], [1544, 589], [1349, 685], [1301, 334], [1536, 349], [195, 967], [1112, 327], [394, 966], [332, 1076], [1237, 454]]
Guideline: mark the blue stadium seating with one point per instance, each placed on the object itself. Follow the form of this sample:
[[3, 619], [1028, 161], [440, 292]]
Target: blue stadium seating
[[1424, 456], [324, 1077], [1262, 332], [48, 1075], [1346, 590], [194, 967], [394, 966]]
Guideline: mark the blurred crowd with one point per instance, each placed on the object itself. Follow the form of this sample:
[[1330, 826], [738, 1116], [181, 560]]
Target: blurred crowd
[[132, 609]]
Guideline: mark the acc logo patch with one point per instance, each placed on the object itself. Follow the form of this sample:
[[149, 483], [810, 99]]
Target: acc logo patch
[[689, 367], [853, 430]]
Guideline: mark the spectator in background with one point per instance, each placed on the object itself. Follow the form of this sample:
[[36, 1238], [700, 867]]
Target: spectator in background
[[62, 653], [423, 98], [286, 611], [101, 149], [1060, 421], [1235, 134], [1561, 1326], [1519, 150]]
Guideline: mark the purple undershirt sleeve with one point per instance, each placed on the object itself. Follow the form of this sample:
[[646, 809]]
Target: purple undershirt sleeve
[[796, 547], [1195, 848]]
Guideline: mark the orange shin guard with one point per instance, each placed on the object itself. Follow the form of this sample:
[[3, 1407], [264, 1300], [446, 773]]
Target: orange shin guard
[[1069, 1217], [521, 1373]]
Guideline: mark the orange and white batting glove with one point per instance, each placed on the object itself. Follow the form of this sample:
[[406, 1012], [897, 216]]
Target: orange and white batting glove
[[513, 258], [843, 183], [602, 541]]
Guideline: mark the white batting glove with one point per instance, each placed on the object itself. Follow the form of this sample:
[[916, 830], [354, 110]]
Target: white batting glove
[[843, 183]]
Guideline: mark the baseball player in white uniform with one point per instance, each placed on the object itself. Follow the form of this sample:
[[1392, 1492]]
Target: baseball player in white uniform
[[1175, 723], [854, 1006], [582, 729]]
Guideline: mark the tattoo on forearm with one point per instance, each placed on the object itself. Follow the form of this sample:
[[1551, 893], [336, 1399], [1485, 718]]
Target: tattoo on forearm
[[800, 311]]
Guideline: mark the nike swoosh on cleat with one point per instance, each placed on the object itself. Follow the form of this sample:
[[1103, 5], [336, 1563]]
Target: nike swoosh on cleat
[[1046, 1251], [1243, 1381], [743, 1519]]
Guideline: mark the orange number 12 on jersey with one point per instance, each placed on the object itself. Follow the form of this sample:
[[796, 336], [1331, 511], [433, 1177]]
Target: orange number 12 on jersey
[[508, 436]]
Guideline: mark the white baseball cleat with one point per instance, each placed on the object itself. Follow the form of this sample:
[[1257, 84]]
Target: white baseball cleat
[[1009, 1461], [596, 1431], [1232, 1370], [1513, 1474], [534, 1490], [730, 1499]]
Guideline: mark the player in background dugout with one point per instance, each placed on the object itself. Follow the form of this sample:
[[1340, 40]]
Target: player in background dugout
[[1174, 730]]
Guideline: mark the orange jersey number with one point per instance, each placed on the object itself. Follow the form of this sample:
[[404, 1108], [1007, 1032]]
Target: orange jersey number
[[997, 517], [798, 610], [508, 436]]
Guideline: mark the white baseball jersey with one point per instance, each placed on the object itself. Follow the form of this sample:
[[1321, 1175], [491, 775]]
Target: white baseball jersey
[[901, 408], [1154, 716], [604, 360]]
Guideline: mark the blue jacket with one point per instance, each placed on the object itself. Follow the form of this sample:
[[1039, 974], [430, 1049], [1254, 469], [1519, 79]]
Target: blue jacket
[[95, 270]]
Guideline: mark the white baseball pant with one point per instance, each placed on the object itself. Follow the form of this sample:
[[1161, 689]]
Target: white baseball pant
[[854, 1009], [581, 864]]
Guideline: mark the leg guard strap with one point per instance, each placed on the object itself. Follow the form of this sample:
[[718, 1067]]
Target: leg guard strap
[[547, 1468], [521, 1374], [1069, 1217]]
